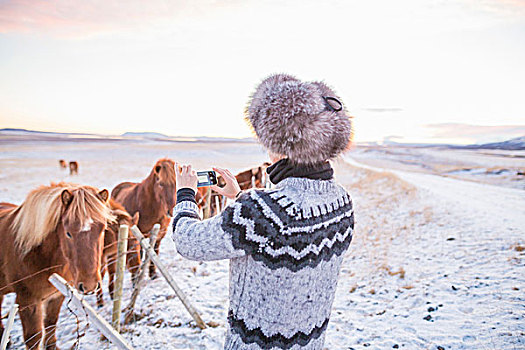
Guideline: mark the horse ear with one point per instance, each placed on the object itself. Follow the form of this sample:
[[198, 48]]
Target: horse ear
[[136, 218], [157, 173], [66, 197], [103, 195]]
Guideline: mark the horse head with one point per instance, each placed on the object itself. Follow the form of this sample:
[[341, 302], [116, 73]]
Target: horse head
[[164, 184], [81, 234]]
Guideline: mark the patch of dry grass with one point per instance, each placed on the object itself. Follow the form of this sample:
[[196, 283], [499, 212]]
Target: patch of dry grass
[[382, 215], [518, 247], [401, 272]]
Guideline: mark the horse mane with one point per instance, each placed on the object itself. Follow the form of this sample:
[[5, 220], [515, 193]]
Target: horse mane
[[40, 213], [168, 167]]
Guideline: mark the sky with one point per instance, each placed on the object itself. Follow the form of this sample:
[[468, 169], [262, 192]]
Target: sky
[[407, 70]]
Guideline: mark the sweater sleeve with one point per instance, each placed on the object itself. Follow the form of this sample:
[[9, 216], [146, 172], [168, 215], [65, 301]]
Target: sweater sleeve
[[186, 194], [201, 240]]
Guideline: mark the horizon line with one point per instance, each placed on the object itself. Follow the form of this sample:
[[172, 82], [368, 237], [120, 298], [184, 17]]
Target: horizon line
[[181, 138]]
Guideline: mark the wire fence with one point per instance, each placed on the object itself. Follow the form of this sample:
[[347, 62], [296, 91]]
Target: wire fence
[[73, 323], [72, 326], [76, 322]]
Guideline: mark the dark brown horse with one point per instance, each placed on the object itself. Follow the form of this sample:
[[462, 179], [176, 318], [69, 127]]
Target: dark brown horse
[[58, 228], [73, 168], [251, 178], [153, 198], [109, 255]]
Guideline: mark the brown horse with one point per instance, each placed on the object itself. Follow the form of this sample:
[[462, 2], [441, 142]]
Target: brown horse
[[58, 228], [251, 178], [109, 255], [5, 205], [73, 168], [164, 225], [153, 198], [62, 164]]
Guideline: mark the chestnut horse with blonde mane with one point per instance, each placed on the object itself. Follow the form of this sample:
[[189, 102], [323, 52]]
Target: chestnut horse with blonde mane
[[109, 255], [57, 229], [153, 198]]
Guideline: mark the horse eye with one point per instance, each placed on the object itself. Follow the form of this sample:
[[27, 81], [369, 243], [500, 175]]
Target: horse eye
[[68, 234]]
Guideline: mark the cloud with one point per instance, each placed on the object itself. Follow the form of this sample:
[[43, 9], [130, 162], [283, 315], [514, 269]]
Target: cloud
[[382, 109], [85, 18], [475, 133], [73, 19], [503, 8]]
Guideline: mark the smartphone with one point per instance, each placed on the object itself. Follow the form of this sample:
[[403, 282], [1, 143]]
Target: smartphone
[[206, 178]]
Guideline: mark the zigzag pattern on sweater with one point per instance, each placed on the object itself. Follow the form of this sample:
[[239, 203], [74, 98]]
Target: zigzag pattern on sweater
[[271, 233], [278, 340], [183, 214]]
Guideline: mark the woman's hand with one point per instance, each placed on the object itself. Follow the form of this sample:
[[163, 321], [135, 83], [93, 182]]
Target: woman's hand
[[232, 188], [186, 178]]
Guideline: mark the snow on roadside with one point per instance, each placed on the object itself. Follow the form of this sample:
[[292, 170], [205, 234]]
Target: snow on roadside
[[463, 278]]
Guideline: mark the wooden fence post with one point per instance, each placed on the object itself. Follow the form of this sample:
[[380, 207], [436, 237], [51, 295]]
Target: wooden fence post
[[155, 259], [101, 324], [122, 248], [9, 325], [128, 311], [266, 181], [218, 207]]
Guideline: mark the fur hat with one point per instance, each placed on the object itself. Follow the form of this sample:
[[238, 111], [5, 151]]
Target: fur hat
[[304, 121]]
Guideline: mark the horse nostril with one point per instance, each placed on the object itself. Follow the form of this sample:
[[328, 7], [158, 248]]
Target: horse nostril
[[81, 287]]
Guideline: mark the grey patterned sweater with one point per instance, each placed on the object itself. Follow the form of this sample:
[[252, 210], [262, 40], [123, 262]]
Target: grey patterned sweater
[[285, 247]]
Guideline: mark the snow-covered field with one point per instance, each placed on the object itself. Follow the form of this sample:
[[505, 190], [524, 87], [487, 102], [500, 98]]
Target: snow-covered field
[[497, 167], [436, 262]]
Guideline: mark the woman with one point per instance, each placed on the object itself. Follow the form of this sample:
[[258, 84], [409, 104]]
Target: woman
[[286, 244]]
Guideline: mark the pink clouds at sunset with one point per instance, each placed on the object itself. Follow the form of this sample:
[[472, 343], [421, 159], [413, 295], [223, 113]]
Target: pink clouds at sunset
[[84, 18], [115, 66], [72, 19]]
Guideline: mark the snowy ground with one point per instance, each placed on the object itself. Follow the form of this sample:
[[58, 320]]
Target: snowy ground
[[497, 167], [435, 262], [456, 245]]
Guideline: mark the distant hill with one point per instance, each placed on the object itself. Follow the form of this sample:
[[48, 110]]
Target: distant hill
[[14, 134], [146, 135], [162, 137], [515, 144], [14, 131], [9, 135]]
